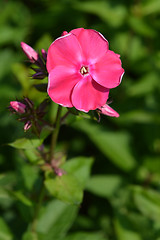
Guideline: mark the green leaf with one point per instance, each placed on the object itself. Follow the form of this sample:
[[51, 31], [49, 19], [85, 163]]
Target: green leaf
[[22, 74], [55, 220], [114, 145], [104, 186], [65, 188], [141, 27], [26, 143], [5, 233], [150, 7], [29, 236], [145, 85], [31, 171], [114, 15], [148, 202], [80, 167], [22, 198], [124, 229], [85, 236]]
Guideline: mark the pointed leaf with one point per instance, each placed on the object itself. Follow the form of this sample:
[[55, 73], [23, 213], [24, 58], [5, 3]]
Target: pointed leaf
[[26, 143]]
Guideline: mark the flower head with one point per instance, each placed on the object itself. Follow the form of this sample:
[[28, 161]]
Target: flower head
[[82, 70]]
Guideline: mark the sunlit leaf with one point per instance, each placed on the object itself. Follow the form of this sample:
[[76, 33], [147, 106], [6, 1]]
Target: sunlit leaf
[[80, 167], [65, 188], [26, 143]]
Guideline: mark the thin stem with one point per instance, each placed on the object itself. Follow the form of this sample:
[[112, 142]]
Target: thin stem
[[37, 209], [56, 132]]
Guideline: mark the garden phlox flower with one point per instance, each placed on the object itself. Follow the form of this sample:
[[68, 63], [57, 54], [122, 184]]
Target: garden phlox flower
[[82, 70]]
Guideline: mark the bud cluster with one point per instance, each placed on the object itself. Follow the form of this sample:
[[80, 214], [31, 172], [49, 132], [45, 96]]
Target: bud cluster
[[27, 113]]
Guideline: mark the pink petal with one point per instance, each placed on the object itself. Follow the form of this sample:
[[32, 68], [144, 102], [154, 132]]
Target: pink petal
[[65, 50], [93, 44], [61, 81], [108, 71], [30, 52], [107, 110], [88, 95]]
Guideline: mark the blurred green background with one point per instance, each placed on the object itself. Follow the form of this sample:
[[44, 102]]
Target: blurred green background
[[122, 198]]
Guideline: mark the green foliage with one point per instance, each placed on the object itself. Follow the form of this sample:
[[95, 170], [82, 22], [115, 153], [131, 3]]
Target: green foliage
[[121, 198], [55, 220]]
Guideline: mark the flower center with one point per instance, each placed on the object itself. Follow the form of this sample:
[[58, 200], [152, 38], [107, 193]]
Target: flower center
[[84, 70]]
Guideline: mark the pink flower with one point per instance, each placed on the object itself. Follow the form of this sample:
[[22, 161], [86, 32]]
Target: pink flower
[[82, 70], [30, 52], [107, 110], [18, 106]]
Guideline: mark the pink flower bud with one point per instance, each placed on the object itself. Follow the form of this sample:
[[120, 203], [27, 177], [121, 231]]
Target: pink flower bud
[[107, 110], [18, 106], [27, 126], [59, 172], [44, 54], [64, 33], [30, 52]]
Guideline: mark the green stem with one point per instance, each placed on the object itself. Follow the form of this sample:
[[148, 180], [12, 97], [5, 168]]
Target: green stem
[[56, 132], [37, 209]]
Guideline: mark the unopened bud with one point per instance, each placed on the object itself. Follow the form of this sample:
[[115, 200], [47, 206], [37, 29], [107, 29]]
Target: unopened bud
[[18, 106], [30, 52], [107, 110], [44, 54], [64, 33], [27, 126]]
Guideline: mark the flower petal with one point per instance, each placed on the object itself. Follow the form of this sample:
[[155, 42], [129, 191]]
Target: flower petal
[[61, 81], [108, 71], [65, 50], [88, 95], [107, 110], [93, 44]]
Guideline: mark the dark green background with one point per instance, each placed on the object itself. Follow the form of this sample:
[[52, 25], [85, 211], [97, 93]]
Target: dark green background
[[123, 201]]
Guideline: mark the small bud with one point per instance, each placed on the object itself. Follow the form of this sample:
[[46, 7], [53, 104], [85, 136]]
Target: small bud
[[59, 172], [64, 33], [44, 54], [107, 110], [27, 126], [18, 106], [30, 52]]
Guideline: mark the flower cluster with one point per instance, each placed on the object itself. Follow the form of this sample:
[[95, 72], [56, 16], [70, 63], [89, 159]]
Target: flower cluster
[[81, 72], [27, 113]]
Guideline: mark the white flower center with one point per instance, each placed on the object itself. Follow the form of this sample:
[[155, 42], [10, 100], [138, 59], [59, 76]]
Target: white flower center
[[84, 70]]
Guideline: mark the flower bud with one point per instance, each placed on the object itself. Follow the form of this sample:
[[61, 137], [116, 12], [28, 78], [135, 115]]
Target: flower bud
[[44, 54], [27, 126], [30, 52], [18, 106], [64, 33], [107, 110]]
